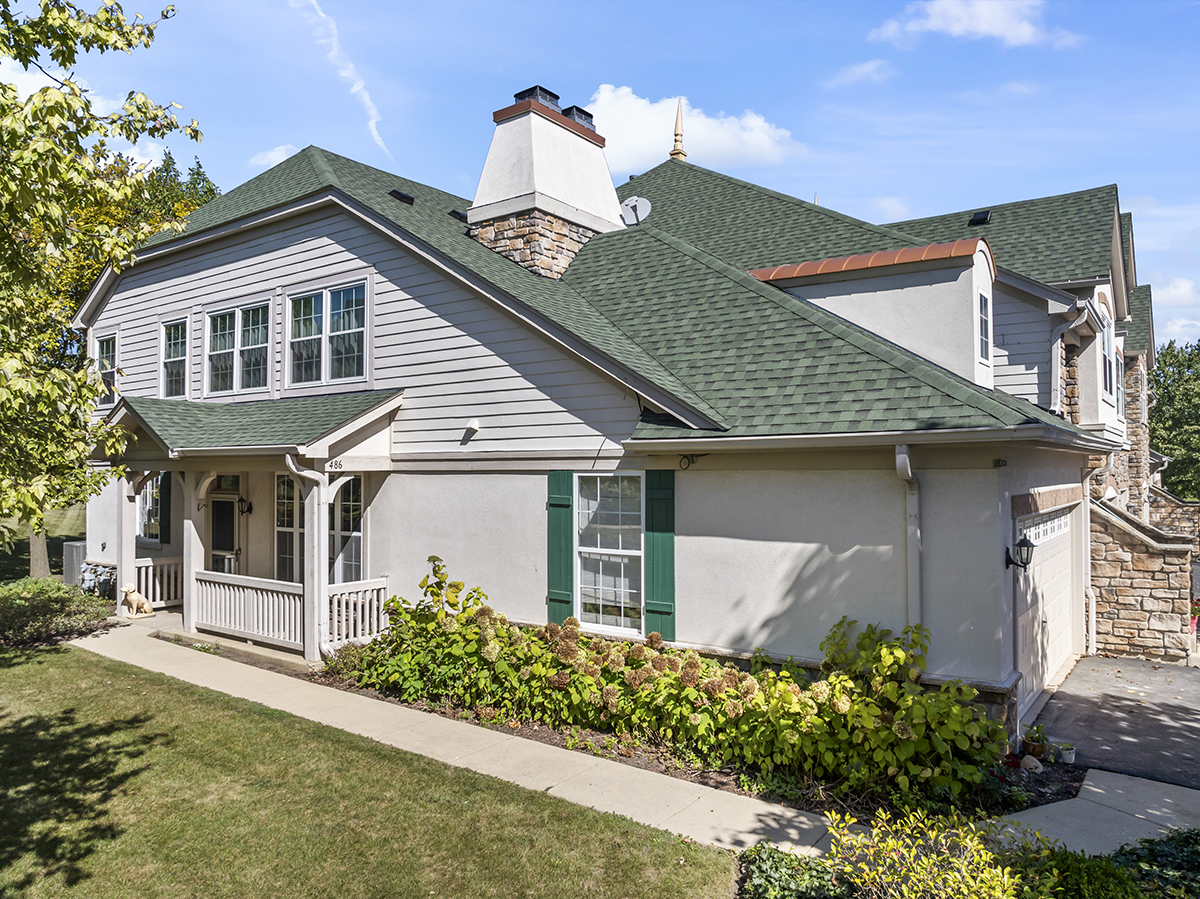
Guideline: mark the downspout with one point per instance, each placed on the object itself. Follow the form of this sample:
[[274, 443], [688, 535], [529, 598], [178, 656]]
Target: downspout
[[913, 513], [320, 588], [1056, 392], [1087, 564]]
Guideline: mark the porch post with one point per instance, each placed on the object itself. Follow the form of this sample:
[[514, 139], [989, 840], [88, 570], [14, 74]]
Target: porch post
[[127, 538], [316, 563], [193, 543]]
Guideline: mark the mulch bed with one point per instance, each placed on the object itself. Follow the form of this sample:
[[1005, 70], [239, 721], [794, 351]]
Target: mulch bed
[[1053, 783]]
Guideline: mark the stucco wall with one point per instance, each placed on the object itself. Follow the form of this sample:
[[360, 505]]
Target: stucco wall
[[104, 524]]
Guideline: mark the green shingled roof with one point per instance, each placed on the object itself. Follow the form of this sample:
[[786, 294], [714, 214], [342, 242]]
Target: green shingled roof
[[670, 301], [295, 421], [1139, 330], [1127, 247], [1051, 239], [749, 226]]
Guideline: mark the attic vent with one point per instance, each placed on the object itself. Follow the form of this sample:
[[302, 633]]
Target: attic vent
[[580, 116], [980, 218], [401, 196], [461, 216]]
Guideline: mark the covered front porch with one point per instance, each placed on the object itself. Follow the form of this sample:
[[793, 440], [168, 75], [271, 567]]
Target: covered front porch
[[262, 541]]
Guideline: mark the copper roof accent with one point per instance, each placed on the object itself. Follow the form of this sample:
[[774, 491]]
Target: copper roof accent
[[546, 112], [958, 248]]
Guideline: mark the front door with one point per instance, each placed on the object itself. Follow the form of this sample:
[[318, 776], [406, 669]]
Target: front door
[[225, 549]]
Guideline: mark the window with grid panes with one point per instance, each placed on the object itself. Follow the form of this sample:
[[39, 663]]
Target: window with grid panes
[[148, 510], [106, 361], [289, 530], [985, 328], [175, 359], [327, 339], [253, 337], [306, 334], [609, 517], [222, 330], [346, 533]]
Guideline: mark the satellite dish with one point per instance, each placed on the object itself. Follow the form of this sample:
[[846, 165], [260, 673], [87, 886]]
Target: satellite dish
[[634, 210]]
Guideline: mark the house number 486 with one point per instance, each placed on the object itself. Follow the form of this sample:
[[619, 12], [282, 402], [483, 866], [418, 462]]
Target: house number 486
[[334, 465]]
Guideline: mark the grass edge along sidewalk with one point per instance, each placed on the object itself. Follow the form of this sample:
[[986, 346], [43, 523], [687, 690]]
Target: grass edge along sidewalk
[[140, 784]]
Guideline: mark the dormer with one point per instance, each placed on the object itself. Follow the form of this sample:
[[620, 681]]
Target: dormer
[[545, 190]]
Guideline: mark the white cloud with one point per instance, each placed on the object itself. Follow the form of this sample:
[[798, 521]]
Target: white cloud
[[893, 208], [1178, 292], [640, 132], [1022, 88], [30, 81], [269, 158], [326, 33], [875, 70], [1181, 330], [1015, 23], [146, 152]]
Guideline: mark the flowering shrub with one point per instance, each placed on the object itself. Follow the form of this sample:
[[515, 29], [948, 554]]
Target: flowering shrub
[[868, 723]]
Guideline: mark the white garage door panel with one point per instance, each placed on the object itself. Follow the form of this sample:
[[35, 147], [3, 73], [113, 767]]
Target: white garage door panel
[[1044, 602]]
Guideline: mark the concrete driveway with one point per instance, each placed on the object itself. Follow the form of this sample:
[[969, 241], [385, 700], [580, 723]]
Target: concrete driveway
[[1131, 717]]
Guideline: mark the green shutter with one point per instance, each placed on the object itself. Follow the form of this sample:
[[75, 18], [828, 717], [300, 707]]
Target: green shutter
[[560, 552], [660, 553], [164, 508]]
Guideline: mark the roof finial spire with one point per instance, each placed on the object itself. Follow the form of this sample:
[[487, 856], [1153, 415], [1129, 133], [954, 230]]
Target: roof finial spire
[[678, 153]]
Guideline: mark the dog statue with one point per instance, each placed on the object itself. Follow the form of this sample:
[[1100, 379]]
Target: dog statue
[[136, 605]]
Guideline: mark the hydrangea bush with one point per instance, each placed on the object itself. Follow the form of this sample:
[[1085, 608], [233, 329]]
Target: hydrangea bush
[[867, 723]]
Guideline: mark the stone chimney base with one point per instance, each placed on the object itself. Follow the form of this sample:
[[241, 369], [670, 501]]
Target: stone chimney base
[[543, 243]]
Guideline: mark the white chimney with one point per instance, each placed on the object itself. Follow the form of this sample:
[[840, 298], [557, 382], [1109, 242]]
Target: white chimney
[[545, 189]]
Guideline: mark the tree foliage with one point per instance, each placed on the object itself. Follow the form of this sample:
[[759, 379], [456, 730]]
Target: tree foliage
[[68, 206], [1175, 417]]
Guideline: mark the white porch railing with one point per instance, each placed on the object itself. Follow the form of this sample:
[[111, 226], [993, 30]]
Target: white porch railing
[[256, 609], [356, 613], [160, 580]]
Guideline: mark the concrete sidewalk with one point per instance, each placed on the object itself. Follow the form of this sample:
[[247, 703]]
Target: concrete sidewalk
[[1110, 810]]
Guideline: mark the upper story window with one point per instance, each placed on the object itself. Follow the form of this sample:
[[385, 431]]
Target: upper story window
[[174, 365], [106, 361], [1106, 344], [238, 349], [327, 335], [985, 329]]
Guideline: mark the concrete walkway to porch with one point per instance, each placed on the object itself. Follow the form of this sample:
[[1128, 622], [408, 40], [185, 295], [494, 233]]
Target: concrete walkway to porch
[[1111, 809]]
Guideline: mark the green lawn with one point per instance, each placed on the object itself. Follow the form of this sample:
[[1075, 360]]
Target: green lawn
[[117, 782], [61, 525]]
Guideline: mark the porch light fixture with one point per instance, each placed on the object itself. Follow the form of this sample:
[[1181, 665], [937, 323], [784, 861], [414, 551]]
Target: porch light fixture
[[1024, 549], [245, 507]]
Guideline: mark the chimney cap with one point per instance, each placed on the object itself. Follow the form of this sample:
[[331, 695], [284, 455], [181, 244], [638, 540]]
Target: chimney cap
[[580, 116], [540, 95]]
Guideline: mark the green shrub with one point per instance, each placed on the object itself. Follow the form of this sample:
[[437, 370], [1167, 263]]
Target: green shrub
[[346, 664], [867, 724], [1168, 867], [33, 610], [1080, 876], [920, 856], [771, 873]]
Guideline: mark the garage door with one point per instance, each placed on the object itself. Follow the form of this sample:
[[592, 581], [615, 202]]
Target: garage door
[[1043, 597]]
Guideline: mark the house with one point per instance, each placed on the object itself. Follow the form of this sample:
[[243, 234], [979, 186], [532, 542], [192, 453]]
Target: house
[[716, 412]]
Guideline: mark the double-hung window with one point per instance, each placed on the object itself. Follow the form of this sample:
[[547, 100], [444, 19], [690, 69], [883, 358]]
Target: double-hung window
[[289, 530], [238, 349], [1107, 351], [985, 329], [608, 542], [149, 510], [327, 335], [106, 361], [174, 367]]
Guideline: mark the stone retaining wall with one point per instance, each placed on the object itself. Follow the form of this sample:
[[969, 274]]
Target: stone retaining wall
[[1178, 516], [1143, 592]]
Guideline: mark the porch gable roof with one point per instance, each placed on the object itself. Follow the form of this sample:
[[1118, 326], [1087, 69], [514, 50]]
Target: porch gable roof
[[183, 427]]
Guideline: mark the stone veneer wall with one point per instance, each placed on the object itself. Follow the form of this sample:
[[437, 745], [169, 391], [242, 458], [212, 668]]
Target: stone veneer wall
[[1070, 385], [1137, 430], [1178, 516], [543, 243], [1143, 594]]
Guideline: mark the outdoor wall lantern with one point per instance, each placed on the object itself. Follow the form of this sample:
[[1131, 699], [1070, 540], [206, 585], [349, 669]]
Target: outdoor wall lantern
[[245, 507], [1024, 550]]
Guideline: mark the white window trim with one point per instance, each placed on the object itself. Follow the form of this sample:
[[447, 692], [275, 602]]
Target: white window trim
[[163, 323], [142, 540], [364, 276], [297, 531], [577, 588], [334, 532], [116, 339], [237, 309], [991, 326]]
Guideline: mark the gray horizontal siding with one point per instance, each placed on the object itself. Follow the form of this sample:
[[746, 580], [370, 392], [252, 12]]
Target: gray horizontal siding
[[1021, 356], [456, 356]]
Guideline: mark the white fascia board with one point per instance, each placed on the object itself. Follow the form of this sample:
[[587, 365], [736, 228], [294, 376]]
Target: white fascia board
[[262, 450], [94, 300], [1040, 433], [1058, 302], [609, 367], [319, 448], [123, 412]]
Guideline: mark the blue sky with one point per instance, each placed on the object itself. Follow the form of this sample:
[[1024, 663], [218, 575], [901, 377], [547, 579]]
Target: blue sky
[[882, 110]]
